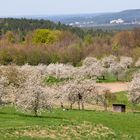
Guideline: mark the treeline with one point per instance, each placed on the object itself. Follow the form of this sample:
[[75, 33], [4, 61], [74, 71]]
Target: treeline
[[23, 26]]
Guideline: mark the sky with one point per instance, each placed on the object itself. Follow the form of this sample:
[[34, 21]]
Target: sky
[[58, 7]]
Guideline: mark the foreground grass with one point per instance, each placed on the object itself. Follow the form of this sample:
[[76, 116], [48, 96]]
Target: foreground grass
[[72, 124]]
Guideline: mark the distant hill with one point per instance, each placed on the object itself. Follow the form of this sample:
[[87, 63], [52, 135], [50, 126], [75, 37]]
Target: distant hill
[[130, 18], [127, 15]]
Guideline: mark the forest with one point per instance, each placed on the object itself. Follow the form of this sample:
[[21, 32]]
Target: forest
[[38, 41]]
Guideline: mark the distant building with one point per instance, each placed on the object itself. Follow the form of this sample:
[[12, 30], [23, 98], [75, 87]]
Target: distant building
[[117, 21], [135, 22], [77, 23], [71, 24]]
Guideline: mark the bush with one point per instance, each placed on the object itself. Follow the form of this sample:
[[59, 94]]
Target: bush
[[45, 36], [5, 57]]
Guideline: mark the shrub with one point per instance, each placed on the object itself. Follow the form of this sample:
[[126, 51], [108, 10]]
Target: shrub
[[45, 36]]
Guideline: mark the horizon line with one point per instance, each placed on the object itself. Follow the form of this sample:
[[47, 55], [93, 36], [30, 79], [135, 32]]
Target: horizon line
[[68, 14]]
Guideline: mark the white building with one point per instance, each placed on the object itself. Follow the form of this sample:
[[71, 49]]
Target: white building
[[117, 21]]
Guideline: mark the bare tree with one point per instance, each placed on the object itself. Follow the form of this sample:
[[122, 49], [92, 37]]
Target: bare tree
[[104, 96]]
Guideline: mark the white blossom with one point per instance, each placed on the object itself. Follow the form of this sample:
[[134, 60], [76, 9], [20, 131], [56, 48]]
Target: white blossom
[[109, 60], [33, 97], [60, 70], [134, 89], [91, 68], [126, 62], [137, 64], [89, 61], [78, 91], [3, 84]]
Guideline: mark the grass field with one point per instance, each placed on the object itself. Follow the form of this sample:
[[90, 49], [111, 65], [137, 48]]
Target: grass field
[[122, 98], [72, 124], [111, 78]]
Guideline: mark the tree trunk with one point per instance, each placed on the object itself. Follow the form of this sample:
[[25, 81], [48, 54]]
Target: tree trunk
[[62, 106], [105, 106], [103, 77], [35, 112], [79, 105], [36, 105], [82, 105], [70, 106]]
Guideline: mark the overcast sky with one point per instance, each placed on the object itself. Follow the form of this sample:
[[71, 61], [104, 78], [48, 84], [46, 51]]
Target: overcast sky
[[52, 7]]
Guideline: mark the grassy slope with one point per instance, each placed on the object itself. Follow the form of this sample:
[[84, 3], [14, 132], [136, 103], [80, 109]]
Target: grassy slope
[[126, 124], [122, 98]]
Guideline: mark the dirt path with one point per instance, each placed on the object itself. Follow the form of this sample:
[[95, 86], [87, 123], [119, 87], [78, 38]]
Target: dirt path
[[115, 87]]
